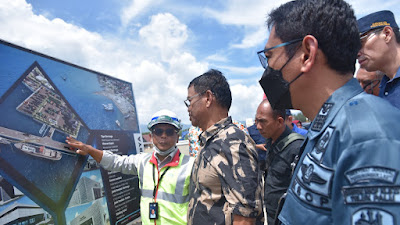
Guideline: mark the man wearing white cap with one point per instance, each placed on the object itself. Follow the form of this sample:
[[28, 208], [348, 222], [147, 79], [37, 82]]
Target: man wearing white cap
[[164, 175]]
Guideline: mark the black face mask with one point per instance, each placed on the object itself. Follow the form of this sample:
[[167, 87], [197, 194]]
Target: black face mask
[[276, 88]]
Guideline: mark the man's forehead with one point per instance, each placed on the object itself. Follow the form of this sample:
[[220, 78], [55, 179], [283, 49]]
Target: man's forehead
[[264, 110], [191, 89], [273, 40]]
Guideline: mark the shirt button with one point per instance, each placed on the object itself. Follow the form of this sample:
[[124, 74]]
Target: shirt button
[[386, 93]]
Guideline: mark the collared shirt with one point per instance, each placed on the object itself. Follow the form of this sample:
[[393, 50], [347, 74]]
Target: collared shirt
[[348, 173], [226, 179], [194, 133], [167, 159], [390, 89]]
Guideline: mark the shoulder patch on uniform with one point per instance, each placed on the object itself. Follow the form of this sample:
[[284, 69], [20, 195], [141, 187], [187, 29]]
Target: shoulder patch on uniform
[[320, 148], [321, 117], [375, 173], [378, 194], [312, 183], [372, 216]]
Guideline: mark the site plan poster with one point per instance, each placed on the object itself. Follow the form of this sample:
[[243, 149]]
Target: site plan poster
[[43, 100]]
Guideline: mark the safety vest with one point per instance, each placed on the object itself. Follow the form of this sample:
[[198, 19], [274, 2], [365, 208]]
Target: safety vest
[[172, 194]]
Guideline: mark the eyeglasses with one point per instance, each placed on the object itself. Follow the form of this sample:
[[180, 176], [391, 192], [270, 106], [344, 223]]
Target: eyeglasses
[[264, 59], [368, 35], [187, 101], [169, 132]]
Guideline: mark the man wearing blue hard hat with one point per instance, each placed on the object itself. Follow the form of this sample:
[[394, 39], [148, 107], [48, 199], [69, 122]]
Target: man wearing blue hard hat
[[164, 175], [380, 40]]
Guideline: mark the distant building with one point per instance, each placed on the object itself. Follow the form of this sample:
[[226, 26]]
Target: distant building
[[25, 214], [93, 215], [86, 191]]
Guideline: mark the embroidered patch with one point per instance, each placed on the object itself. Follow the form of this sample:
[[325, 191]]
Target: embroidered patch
[[313, 183], [319, 121], [320, 148], [310, 197], [367, 174], [371, 194], [372, 216]]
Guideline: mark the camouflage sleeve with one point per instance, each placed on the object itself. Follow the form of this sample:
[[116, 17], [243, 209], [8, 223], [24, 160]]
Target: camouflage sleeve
[[239, 173]]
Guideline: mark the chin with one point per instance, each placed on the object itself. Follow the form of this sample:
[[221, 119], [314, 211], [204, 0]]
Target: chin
[[194, 123]]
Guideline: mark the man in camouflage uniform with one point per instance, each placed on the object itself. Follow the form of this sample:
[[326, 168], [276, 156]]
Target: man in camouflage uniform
[[226, 181]]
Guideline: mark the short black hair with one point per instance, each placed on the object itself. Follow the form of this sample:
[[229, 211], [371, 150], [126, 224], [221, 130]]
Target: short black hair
[[216, 82], [276, 113], [331, 22]]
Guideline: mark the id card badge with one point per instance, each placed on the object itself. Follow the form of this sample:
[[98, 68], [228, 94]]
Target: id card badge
[[153, 210]]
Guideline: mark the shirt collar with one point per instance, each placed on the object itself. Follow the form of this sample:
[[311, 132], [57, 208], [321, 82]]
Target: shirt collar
[[386, 79], [214, 129], [170, 160], [285, 133], [336, 101]]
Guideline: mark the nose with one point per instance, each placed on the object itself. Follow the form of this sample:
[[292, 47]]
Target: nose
[[359, 53]]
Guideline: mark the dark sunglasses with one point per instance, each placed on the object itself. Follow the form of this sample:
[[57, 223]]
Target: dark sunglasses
[[169, 132]]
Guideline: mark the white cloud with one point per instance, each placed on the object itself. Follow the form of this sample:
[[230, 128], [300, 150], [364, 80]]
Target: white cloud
[[135, 8], [252, 39], [364, 7], [249, 15], [166, 33], [217, 58], [245, 100], [234, 14]]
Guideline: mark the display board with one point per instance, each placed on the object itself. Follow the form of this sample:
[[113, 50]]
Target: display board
[[43, 100]]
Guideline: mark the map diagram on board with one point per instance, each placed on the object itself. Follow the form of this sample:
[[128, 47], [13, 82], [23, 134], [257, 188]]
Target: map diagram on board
[[32, 138], [45, 107], [44, 100]]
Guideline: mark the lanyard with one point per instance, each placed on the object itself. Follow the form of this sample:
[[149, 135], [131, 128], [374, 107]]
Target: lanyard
[[159, 180]]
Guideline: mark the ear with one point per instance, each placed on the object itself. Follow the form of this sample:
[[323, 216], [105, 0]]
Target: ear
[[151, 137], [209, 98], [309, 54], [281, 120], [388, 32]]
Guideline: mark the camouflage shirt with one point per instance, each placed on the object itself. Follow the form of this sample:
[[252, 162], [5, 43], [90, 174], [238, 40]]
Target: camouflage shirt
[[226, 179]]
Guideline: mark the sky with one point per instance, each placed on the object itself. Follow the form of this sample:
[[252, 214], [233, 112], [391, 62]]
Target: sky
[[157, 45]]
